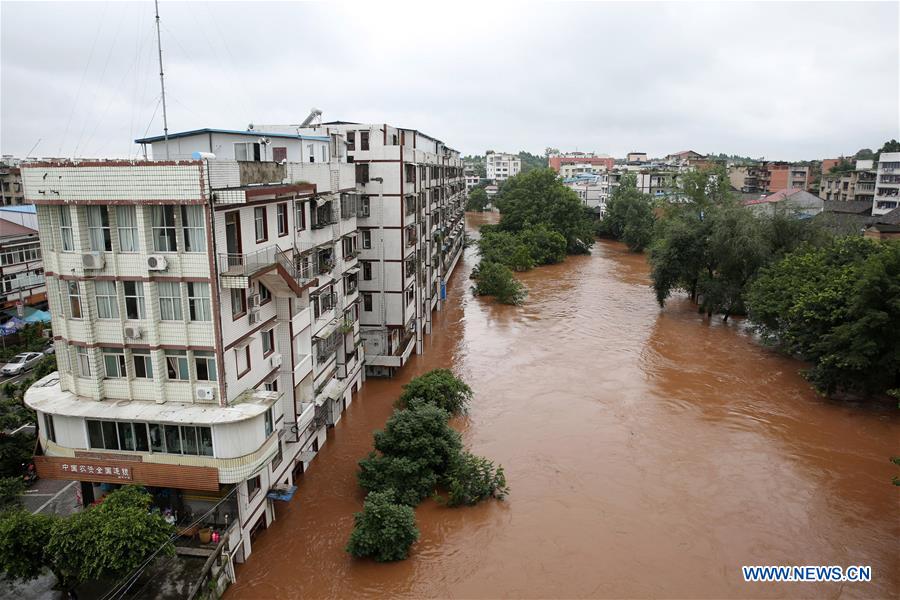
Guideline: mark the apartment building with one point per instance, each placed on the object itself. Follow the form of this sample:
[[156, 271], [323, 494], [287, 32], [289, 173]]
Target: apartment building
[[501, 166], [569, 164], [411, 227], [748, 179], [592, 189], [633, 158], [781, 176], [21, 267], [856, 185], [11, 192], [887, 184], [472, 179], [205, 318], [658, 183]]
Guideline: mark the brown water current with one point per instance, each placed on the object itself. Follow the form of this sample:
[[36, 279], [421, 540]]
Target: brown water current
[[650, 453]]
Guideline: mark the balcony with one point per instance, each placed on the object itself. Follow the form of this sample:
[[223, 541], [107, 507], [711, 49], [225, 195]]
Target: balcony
[[274, 266], [398, 357]]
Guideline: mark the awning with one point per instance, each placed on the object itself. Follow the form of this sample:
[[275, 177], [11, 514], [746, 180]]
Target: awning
[[326, 331], [282, 494], [321, 201], [353, 270]]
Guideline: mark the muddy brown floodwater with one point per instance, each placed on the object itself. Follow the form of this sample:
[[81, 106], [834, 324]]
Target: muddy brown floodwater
[[649, 453]]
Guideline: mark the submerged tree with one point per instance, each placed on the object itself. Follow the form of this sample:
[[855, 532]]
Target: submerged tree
[[438, 387], [384, 530], [494, 279], [629, 216]]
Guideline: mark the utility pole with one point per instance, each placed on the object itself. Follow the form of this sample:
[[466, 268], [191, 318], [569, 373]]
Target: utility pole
[[162, 83]]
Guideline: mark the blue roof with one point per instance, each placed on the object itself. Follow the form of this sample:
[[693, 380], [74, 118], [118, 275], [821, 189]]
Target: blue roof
[[180, 134], [21, 208]]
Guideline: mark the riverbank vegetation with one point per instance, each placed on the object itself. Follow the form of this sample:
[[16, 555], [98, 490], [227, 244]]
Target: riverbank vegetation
[[541, 222], [831, 300], [418, 455]]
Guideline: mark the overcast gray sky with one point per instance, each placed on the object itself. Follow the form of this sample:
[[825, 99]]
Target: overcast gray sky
[[783, 81]]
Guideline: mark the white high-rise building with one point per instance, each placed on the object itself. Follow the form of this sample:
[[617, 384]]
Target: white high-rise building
[[411, 225], [501, 166], [887, 184], [205, 318]]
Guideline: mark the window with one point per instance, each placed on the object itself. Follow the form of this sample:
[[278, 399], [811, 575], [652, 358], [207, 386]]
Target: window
[[126, 222], [278, 457], [204, 439], [238, 302], [98, 229], [362, 172], [143, 365], [271, 386], [309, 151], [65, 229], [279, 153], [74, 299], [270, 423], [242, 360], [260, 224], [164, 228], [177, 365], [367, 271], [84, 362], [324, 149], [268, 342], [172, 437], [198, 301], [107, 300], [192, 228], [281, 219], [367, 302], [246, 151], [363, 140], [205, 364], [169, 300], [253, 486], [364, 206], [114, 363], [300, 215], [264, 294], [50, 430], [366, 239], [134, 299], [351, 140]]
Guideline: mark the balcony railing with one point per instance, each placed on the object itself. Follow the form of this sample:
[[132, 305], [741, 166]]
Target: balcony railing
[[247, 265]]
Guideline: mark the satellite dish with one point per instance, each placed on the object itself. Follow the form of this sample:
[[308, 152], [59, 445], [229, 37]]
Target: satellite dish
[[250, 127]]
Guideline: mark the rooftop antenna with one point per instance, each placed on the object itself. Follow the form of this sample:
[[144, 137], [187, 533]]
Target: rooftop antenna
[[162, 82]]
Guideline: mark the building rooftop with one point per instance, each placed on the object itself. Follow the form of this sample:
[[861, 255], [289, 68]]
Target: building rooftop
[[253, 132]]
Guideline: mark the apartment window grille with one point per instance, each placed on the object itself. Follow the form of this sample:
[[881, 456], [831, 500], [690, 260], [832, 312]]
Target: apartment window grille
[[164, 238], [98, 229], [65, 229], [143, 365], [107, 299], [205, 365], [84, 363], [169, 300], [177, 365], [126, 224], [260, 224], [74, 299], [198, 301], [114, 363], [193, 229], [134, 299]]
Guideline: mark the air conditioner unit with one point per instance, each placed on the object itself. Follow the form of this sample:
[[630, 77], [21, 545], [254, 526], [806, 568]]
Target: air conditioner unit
[[275, 361], [156, 262], [93, 260], [133, 332], [254, 301], [253, 317], [205, 392]]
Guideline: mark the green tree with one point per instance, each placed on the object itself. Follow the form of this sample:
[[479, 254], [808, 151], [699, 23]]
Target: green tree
[[478, 199], [545, 246], [506, 249], [629, 216], [23, 543], [472, 479], [15, 451], [837, 306], [384, 530], [531, 162], [11, 489], [679, 255], [539, 197], [411, 479], [494, 279], [438, 387], [889, 146]]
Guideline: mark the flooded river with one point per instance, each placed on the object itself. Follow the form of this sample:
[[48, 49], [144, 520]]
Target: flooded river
[[649, 454]]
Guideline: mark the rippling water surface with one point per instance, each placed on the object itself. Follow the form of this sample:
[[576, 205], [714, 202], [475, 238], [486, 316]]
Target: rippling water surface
[[650, 454]]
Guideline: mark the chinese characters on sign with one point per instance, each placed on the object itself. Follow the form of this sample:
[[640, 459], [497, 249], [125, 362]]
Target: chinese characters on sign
[[95, 469]]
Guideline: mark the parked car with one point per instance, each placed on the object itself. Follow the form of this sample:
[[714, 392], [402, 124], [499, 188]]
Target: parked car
[[50, 349], [21, 363]]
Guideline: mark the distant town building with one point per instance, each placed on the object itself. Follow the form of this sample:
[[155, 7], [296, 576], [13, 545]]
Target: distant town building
[[567, 170], [558, 161], [11, 192], [887, 185], [769, 177], [796, 202], [500, 166], [21, 267], [636, 158], [472, 179], [659, 183], [683, 157], [856, 185]]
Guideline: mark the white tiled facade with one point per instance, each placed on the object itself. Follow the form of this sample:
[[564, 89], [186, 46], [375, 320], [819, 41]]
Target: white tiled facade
[[501, 166], [215, 295], [887, 184]]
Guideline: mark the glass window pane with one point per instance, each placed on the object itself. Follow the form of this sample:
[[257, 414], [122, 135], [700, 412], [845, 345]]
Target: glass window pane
[[110, 439], [126, 435], [95, 434], [157, 442], [140, 437], [189, 439], [173, 440], [206, 447]]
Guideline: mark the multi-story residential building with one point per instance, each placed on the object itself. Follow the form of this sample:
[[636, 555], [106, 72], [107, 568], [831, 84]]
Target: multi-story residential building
[[683, 158], [659, 183], [568, 170], [592, 189], [205, 319], [887, 184], [472, 179], [747, 179], [781, 176], [501, 166], [559, 161], [411, 230], [11, 192], [633, 158], [856, 185], [21, 267]]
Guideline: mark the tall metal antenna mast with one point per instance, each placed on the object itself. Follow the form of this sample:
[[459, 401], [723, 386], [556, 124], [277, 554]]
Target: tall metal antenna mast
[[162, 82]]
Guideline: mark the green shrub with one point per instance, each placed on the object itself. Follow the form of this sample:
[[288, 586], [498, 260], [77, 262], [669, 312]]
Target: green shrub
[[384, 530], [440, 388], [11, 489], [472, 479], [545, 246], [412, 480], [494, 279], [506, 249]]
